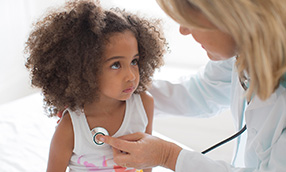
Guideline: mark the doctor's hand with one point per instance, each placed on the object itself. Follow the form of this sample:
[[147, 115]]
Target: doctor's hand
[[141, 151]]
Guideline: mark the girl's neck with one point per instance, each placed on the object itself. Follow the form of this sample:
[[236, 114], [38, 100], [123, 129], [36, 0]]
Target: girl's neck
[[103, 106]]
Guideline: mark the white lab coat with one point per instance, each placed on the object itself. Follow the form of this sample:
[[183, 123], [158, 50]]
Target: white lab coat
[[213, 89]]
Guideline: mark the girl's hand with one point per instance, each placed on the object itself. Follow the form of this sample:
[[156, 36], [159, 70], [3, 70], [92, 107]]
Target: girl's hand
[[141, 150]]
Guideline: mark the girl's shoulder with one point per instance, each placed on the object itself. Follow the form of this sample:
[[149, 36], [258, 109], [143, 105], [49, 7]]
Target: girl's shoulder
[[147, 98], [65, 124], [65, 129], [148, 102]]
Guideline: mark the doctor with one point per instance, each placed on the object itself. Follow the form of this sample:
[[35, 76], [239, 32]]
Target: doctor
[[246, 42]]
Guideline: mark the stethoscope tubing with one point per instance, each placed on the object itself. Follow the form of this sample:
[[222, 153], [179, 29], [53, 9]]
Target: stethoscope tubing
[[245, 87], [225, 140]]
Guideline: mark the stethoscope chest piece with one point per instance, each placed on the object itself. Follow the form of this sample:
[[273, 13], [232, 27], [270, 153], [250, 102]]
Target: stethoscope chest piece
[[98, 131]]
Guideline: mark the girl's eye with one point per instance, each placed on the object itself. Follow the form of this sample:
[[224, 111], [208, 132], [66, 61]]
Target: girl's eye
[[115, 65], [134, 62]]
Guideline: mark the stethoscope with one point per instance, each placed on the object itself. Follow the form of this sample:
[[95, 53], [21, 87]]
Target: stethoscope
[[244, 83], [96, 132], [102, 131]]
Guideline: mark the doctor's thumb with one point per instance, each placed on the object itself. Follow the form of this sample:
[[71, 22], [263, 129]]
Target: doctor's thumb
[[101, 138], [117, 143]]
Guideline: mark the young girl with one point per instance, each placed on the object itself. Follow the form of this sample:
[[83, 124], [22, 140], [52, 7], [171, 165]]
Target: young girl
[[88, 62]]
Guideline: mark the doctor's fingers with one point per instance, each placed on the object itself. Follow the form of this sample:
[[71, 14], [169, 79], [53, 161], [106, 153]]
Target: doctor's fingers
[[135, 158], [121, 158], [148, 151]]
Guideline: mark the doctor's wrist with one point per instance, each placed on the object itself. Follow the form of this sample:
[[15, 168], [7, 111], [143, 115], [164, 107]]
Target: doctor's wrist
[[170, 155]]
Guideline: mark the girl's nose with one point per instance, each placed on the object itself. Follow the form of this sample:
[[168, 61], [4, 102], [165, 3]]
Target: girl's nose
[[130, 74], [184, 30]]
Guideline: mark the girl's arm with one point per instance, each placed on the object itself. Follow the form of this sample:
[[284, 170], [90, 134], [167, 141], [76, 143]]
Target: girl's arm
[[148, 103], [61, 146]]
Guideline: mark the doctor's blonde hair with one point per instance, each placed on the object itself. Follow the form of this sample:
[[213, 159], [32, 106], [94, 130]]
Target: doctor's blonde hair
[[258, 28]]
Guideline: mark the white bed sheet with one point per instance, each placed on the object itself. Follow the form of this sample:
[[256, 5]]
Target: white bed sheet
[[25, 135]]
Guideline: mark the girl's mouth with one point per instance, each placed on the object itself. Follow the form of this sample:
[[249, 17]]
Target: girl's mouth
[[128, 90]]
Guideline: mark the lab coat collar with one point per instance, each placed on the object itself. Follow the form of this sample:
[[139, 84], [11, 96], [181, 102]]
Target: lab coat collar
[[256, 102]]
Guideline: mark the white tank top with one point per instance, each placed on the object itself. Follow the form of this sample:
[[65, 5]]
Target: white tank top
[[87, 156]]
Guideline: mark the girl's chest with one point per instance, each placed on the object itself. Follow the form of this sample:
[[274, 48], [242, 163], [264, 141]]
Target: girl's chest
[[111, 123]]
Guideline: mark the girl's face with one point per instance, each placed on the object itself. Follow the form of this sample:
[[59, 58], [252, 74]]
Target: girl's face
[[218, 45], [120, 74]]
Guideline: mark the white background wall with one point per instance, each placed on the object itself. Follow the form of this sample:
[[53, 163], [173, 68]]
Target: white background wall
[[17, 17]]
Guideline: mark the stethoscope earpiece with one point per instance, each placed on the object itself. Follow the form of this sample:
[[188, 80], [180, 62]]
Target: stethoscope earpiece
[[98, 131]]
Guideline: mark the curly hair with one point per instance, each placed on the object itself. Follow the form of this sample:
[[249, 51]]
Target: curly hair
[[65, 49]]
